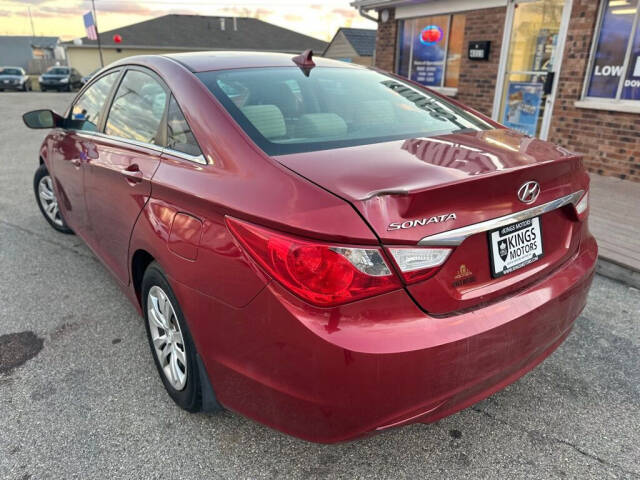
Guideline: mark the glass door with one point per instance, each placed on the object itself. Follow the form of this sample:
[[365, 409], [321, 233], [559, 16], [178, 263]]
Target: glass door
[[527, 93]]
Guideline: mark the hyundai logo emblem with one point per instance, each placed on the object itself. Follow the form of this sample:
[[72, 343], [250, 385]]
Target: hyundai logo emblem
[[528, 192]]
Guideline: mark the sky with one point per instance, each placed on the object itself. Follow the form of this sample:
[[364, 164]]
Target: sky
[[63, 18]]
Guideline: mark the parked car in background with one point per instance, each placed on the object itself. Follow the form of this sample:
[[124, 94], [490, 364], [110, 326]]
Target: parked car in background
[[60, 78], [88, 77], [14, 78], [322, 247]]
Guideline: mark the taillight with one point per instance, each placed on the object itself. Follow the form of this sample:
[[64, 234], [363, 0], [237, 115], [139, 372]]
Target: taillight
[[582, 206], [418, 264], [320, 273]]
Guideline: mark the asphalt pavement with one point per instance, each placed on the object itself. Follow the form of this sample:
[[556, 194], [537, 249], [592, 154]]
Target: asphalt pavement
[[80, 396]]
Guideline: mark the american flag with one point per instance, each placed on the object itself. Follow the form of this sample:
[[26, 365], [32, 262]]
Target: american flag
[[90, 26]]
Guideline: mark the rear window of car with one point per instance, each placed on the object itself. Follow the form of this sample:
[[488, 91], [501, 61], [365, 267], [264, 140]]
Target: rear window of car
[[58, 71], [10, 71], [284, 111]]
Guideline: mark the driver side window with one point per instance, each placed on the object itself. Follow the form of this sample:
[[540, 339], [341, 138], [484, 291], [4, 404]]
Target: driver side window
[[85, 114]]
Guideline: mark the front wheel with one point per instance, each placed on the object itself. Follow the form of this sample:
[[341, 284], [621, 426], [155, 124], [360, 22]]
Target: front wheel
[[170, 340], [47, 201]]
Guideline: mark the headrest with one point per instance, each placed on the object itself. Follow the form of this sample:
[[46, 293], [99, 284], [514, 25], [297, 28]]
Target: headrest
[[267, 119], [318, 125]]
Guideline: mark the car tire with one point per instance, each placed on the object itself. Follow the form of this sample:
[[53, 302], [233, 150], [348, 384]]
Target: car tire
[[175, 358], [47, 201]]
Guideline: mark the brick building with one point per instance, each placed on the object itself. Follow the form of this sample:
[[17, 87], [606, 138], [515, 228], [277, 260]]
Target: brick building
[[563, 70]]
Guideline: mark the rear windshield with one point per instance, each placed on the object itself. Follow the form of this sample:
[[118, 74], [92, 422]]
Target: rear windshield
[[58, 71], [284, 111], [10, 71]]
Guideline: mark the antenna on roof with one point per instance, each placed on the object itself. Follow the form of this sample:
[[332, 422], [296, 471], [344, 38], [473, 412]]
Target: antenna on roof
[[305, 61]]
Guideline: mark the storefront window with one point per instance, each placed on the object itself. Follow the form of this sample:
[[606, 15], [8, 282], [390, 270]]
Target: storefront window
[[430, 49], [614, 45]]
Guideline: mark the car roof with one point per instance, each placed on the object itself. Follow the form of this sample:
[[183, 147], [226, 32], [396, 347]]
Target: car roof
[[224, 60], [2, 67]]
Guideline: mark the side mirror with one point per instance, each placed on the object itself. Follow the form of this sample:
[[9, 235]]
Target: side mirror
[[42, 119]]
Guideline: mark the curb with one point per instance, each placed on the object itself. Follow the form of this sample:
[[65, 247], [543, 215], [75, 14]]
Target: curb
[[610, 269]]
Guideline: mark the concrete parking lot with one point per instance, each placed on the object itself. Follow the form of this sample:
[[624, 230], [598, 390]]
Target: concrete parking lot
[[89, 403]]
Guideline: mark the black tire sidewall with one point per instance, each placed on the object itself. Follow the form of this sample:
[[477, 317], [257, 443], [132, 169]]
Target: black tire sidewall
[[190, 397], [40, 173]]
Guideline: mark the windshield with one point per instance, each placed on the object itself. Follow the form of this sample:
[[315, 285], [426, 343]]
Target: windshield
[[10, 71], [58, 71], [284, 111]]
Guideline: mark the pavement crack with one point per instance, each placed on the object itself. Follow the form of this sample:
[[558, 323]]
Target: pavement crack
[[48, 240], [552, 438]]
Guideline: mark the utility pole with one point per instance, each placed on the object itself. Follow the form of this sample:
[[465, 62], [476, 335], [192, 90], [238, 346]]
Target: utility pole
[[33, 30], [95, 20]]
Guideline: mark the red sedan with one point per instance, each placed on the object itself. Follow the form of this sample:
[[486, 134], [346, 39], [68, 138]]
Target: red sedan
[[325, 248]]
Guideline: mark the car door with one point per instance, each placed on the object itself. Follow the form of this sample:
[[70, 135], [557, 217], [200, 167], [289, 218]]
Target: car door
[[118, 180], [74, 146]]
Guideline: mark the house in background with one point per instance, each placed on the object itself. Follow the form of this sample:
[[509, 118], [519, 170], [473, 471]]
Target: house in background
[[355, 45], [183, 33], [34, 54]]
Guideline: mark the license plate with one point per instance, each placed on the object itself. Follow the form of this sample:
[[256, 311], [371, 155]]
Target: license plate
[[515, 246]]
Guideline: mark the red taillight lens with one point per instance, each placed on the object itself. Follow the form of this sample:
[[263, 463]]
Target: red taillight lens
[[319, 273]]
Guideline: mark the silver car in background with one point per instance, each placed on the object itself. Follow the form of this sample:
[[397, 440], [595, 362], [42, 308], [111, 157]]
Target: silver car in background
[[14, 78]]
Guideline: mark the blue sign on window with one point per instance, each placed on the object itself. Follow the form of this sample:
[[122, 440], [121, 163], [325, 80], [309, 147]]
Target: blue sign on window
[[522, 107]]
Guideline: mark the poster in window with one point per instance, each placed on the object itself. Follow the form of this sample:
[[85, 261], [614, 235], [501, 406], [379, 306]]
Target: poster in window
[[610, 52], [631, 86], [429, 49], [522, 107]]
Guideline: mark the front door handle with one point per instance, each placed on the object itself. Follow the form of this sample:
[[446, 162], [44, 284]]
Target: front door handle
[[132, 173]]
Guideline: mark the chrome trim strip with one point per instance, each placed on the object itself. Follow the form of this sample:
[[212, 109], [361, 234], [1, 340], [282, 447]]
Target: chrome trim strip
[[185, 156], [453, 238], [113, 138]]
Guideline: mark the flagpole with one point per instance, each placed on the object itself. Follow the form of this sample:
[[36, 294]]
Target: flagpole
[[95, 21]]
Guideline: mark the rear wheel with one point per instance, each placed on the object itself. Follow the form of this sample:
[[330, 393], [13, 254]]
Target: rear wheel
[[47, 201], [170, 340]]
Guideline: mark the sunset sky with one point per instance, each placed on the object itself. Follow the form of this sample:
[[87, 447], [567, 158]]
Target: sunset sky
[[63, 18]]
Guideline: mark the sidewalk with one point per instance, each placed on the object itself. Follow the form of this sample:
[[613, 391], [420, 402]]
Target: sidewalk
[[615, 222]]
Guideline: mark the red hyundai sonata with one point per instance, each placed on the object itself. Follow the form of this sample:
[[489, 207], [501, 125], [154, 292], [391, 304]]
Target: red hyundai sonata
[[325, 248]]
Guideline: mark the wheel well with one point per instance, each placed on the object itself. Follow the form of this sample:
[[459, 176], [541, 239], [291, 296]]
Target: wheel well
[[139, 263], [41, 160]]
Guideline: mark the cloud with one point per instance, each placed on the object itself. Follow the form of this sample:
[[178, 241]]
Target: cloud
[[292, 17], [347, 13]]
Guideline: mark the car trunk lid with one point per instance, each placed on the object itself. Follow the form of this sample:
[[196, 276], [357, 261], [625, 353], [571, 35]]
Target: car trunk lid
[[412, 189]]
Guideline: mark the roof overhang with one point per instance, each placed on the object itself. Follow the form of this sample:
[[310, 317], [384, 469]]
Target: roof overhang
[[417, 8]]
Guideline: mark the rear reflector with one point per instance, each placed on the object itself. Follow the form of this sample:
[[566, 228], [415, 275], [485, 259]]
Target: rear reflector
[[320, 273], [417, 264]]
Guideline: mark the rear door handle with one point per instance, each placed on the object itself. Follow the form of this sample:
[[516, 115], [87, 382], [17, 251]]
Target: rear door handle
[[76, 162], [132, 173]]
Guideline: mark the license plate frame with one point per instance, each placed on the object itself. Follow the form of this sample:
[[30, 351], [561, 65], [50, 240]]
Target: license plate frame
[[523, 237]]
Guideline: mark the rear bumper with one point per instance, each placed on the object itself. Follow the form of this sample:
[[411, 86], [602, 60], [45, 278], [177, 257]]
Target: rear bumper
[[330, 375]]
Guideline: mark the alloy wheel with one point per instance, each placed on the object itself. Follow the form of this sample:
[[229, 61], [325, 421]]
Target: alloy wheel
[[48, 200], [168, 341]]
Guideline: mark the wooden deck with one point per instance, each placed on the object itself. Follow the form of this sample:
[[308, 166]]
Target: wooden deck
[[615, 219]]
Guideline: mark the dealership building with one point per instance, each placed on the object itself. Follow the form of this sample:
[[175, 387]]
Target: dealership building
[[563, 70]]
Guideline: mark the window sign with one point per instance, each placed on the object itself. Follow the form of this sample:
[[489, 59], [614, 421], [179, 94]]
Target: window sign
[[522, 108], [607, 64], [429, 48], [631, 87]]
